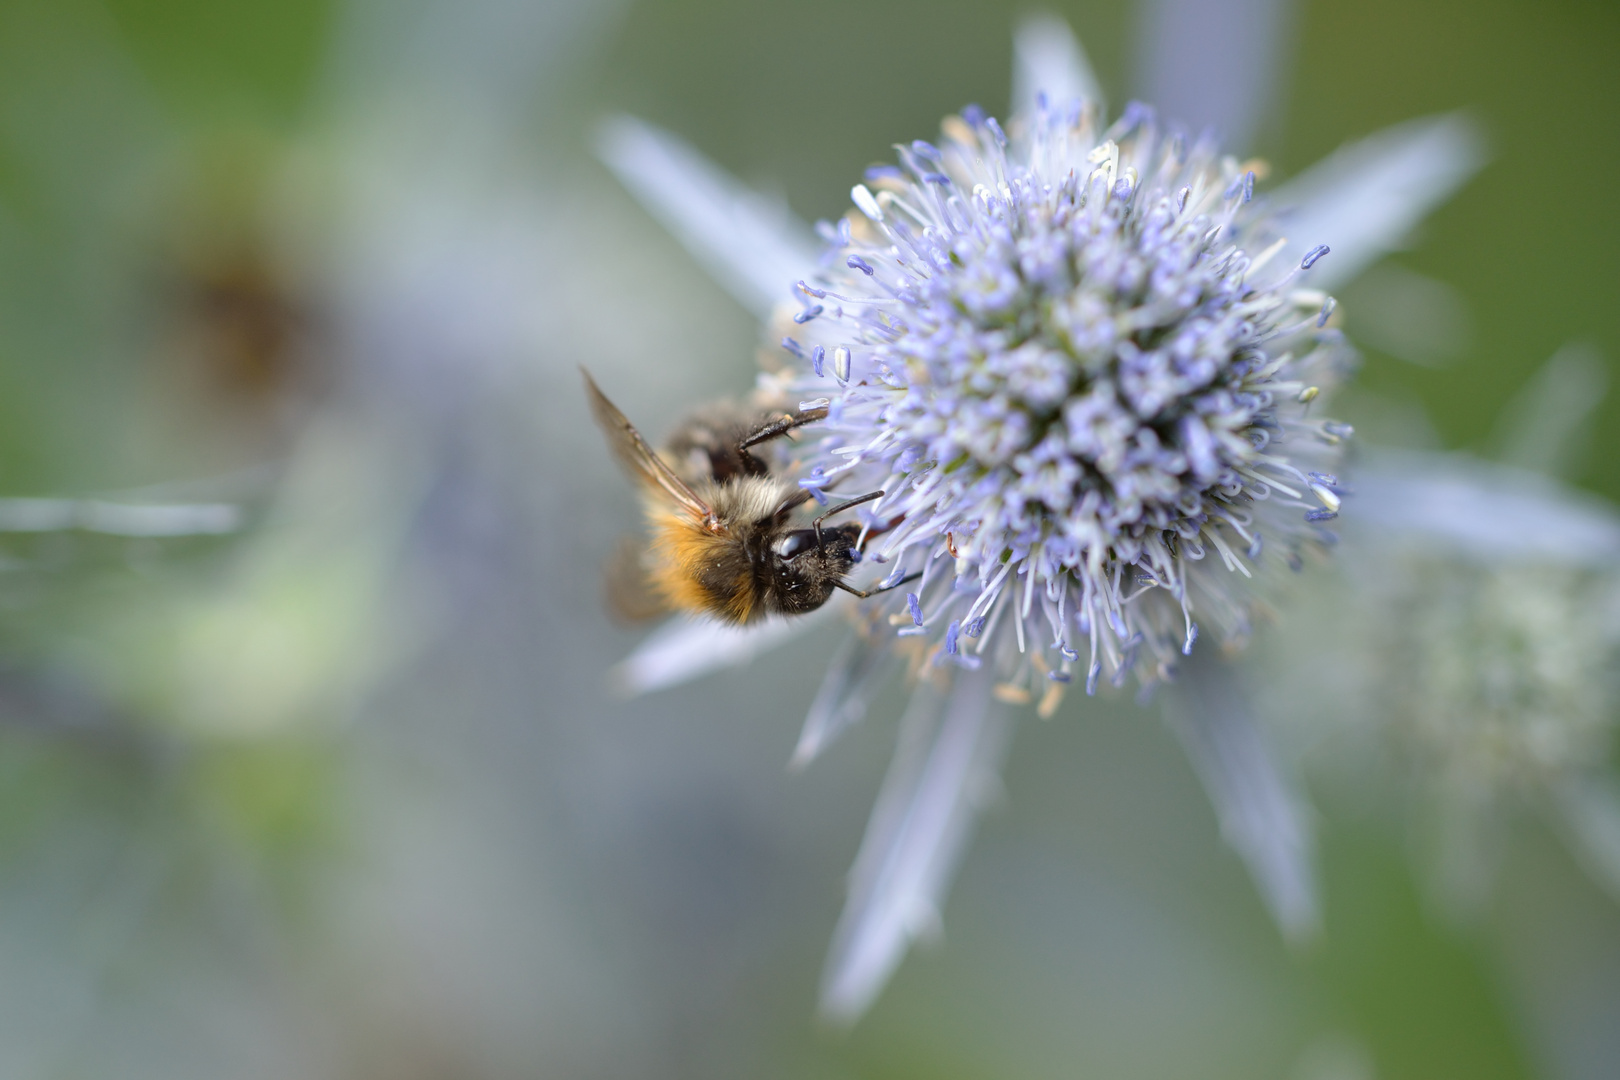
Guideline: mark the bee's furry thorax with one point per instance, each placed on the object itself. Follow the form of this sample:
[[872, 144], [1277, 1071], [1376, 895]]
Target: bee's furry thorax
[[717, 573]]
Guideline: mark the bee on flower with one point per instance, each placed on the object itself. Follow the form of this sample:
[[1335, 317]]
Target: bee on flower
[[1069, 359], [1081, 369]]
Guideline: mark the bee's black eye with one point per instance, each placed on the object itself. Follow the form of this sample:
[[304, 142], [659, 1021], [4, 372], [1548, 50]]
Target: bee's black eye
[[796, 543]]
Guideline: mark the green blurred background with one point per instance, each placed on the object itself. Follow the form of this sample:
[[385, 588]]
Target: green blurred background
[[344, 795]]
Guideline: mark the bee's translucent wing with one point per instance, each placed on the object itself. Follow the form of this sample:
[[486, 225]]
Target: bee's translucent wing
[[639, 459]]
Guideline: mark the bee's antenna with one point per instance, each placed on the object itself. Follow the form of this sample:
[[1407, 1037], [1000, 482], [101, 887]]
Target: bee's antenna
[[839, 509]]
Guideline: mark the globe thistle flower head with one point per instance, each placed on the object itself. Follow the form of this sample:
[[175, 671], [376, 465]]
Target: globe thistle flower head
[[1064, 354]]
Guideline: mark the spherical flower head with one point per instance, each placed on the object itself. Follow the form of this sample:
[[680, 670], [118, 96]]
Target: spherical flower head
[[1066, 357]]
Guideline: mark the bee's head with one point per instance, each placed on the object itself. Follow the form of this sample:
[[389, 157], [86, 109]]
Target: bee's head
[[799, 547], [804, 571]]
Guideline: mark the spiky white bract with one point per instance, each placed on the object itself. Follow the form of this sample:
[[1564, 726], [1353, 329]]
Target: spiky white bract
[[1066, 356], [1367, 197]]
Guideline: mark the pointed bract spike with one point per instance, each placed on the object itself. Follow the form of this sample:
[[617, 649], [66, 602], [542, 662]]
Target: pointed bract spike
[[1366, 198], [1490, 511], [857, 672], [931, 798], [1048, 57], [1262, 816], [753, 246], [1212, 64], [684, 649], [1547, 424]]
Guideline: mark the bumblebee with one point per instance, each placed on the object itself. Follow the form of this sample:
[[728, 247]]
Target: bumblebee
[[724, 541]]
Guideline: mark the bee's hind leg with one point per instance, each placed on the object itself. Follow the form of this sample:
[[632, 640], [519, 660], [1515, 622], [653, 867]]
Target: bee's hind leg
[[775, 430]]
